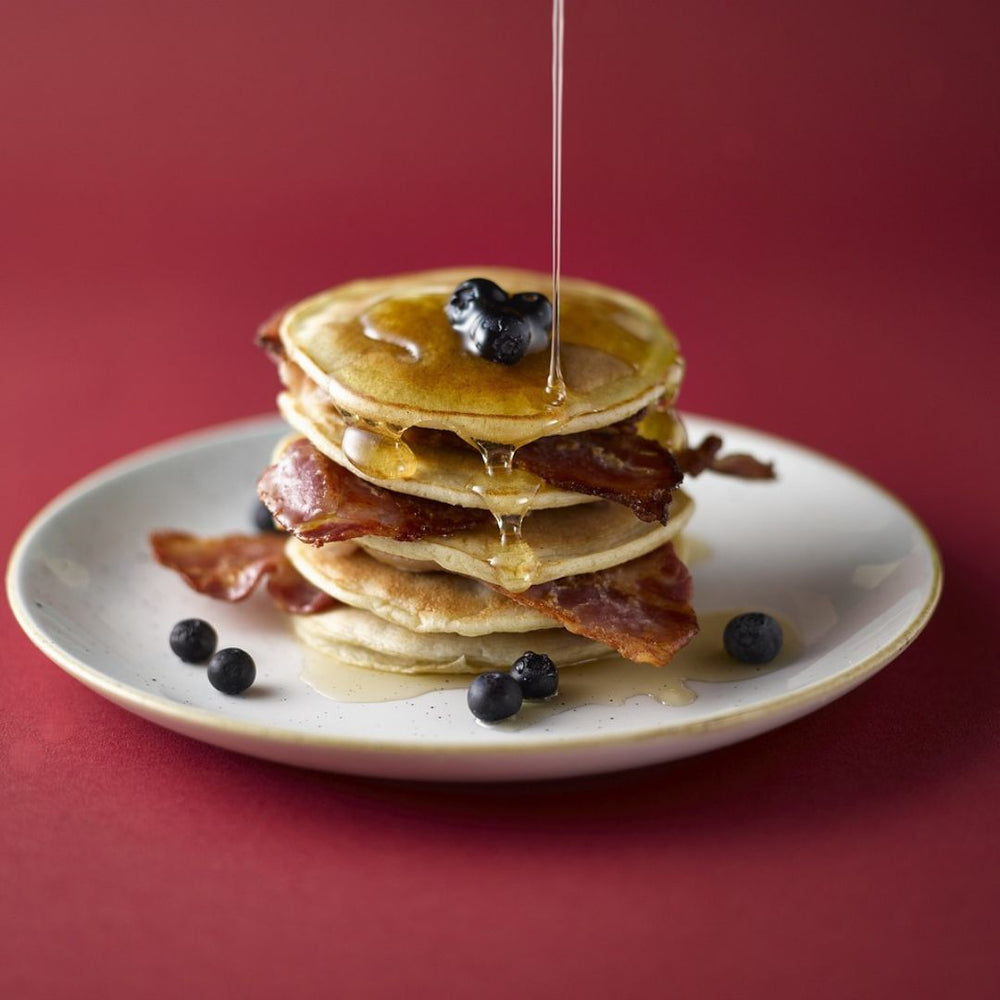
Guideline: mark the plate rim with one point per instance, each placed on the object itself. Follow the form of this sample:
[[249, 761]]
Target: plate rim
[[160, 709]]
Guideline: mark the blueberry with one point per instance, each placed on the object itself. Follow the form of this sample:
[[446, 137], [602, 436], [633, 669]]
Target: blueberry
[[752, 638], [501, 336], [471, 294], [262, 519], [535, 308], [536, 674], [497, 327], [193, 640], [231, 671], [494, 696]]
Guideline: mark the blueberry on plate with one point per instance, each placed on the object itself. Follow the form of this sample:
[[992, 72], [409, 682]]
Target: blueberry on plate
[[231, 671], [494, 696], [753, 638], [193, 640], [536, 674]]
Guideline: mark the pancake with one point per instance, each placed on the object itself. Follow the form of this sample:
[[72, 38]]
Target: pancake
[[419, 601], [448, 475], [554, 544], [385, 354], [360, 639]]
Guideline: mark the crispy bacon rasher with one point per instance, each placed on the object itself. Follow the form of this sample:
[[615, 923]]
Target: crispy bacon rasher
[[231, 567], [612, 464], [694, 461], [615, 463], [319, 502], [641, 608]]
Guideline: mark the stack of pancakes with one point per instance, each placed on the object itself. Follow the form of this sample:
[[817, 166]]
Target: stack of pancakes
[[383, 395]]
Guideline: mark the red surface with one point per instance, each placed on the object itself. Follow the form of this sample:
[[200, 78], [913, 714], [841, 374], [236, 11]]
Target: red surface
[[806, 190]]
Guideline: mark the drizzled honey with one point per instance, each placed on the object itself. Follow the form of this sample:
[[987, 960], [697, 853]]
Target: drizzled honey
[[377, 449]]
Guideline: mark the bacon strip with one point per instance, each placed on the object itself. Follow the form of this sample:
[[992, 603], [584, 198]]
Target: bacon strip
[[293, 593], [319, 501], [694, 461], [641, 608], [230, 568], [613, 464]]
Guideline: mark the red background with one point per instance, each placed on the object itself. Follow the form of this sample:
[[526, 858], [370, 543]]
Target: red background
[[806, 190]]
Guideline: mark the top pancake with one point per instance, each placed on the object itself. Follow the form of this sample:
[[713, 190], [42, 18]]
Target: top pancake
[[384, 352]]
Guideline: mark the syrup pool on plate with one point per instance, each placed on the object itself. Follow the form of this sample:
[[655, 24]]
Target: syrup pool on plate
[[607, 681]]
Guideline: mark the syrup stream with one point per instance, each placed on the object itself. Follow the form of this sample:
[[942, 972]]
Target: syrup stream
[[605, 681], [555, 387]]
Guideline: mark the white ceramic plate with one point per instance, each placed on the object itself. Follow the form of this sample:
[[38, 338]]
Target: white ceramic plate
[[848, 568]]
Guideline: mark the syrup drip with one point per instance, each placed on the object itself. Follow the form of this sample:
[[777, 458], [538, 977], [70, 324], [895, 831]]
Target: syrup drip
[[499, 458], [516, 563], [510, 529], [407, 349], [555, 386], [508, 486], [377, 449]]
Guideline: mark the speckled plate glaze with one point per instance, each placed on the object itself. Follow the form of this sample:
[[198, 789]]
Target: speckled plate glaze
[[839, 559]]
